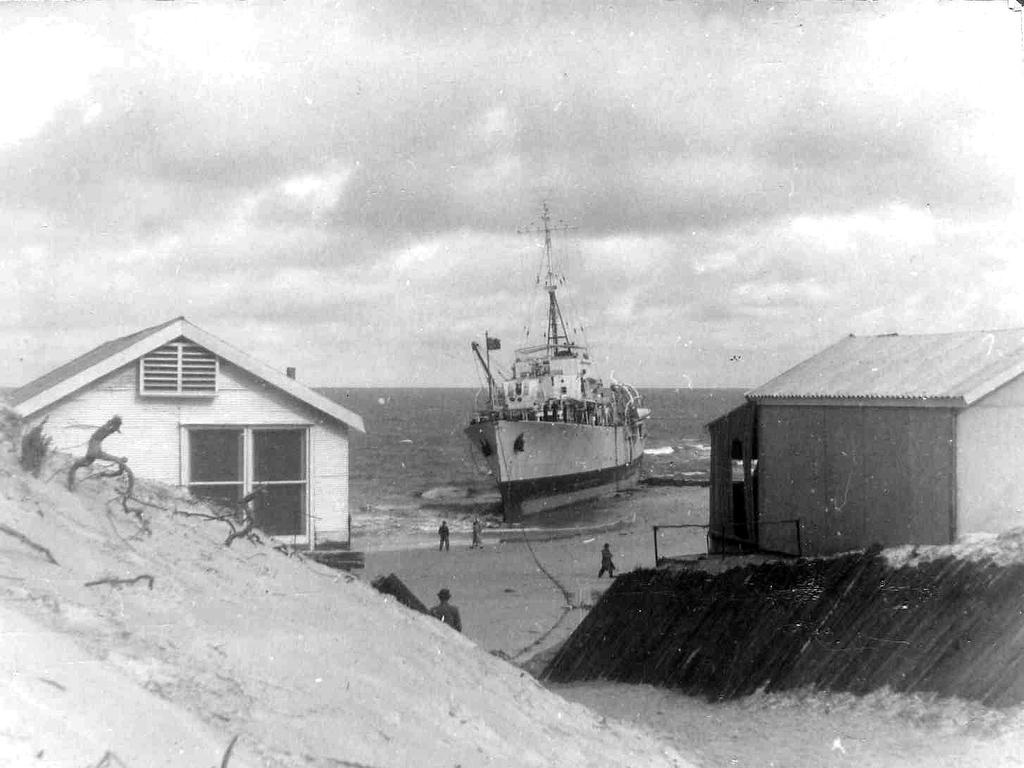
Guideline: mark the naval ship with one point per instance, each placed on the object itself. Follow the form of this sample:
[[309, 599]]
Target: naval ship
[[551, 432]]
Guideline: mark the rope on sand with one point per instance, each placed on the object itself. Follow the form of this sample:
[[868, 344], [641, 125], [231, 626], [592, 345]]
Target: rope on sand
[[566, 595]]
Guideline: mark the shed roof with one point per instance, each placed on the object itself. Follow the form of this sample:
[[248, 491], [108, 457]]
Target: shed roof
[[111, 355], [959, 368]]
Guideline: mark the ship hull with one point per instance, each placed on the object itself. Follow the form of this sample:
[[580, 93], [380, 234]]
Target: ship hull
[[541, 466]]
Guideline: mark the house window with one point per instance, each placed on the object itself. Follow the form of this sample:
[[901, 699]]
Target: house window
[[215, 465], [225, 464], [178, 369]]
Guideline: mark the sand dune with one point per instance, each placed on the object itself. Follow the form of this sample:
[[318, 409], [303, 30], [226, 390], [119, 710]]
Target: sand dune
[[306, 666]]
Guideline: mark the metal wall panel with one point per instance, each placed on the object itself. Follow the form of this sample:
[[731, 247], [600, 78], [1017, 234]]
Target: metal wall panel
[[790, 469], [990, 462], [720, 490], [884, 504], [856, 476], [931, 469], [846, 458]]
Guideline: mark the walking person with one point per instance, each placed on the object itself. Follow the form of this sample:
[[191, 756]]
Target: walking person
[[477, 529], [606, 563], [446, 612], [442, 533]]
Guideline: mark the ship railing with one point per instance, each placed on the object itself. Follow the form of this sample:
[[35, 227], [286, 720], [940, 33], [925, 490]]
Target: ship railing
[[527, 351], [720, 541], [581, 415]]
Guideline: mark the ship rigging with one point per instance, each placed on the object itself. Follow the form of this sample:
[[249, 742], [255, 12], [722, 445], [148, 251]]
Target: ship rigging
[[552, 432]]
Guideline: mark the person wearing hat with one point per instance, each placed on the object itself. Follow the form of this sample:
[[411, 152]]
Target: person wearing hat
[[606, 563], [447, 612]]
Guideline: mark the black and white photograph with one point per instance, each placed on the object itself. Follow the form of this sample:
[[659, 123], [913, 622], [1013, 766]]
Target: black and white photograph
[[516, 383]]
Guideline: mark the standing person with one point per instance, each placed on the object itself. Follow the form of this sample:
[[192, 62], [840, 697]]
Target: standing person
[[442, 532], [477, 528], [606, 563], [446, 612]]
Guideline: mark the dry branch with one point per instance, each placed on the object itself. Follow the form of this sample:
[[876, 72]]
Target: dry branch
[[34, 447], [28, 542], [123, 582], [95, 450], [54, 683], [227, 752], [110, 760], [204, 515], [247, 528]]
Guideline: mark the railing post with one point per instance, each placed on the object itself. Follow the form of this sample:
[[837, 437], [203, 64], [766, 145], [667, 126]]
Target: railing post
[[799, 543], [656, 563]]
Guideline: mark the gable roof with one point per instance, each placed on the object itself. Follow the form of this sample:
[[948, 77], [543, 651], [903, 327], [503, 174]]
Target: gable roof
[[954, 369], [109, 356]]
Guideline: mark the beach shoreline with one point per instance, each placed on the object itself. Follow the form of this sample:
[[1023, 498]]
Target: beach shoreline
[[527, 588]]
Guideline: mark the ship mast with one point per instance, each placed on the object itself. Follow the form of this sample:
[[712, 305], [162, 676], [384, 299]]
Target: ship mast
[[558, 342]]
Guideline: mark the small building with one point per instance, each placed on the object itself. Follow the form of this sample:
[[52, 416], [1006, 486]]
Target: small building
[[200, 414], [876, 440]]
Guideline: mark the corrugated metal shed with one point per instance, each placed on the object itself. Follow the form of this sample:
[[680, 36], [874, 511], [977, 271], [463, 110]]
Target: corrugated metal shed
[[957, 368]]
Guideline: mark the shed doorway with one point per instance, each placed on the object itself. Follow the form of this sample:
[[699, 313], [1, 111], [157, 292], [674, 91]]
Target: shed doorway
[[733, 515], [744, 496]]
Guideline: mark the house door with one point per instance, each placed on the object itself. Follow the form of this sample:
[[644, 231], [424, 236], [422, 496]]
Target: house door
[[279, 466]]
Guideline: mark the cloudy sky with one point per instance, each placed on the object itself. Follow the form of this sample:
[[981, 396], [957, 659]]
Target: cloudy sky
[[339, 187]]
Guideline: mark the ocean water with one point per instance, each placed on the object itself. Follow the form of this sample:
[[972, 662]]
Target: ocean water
[[414, 466]]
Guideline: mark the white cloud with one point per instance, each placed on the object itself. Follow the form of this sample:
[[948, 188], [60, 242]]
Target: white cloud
[[895, 223], [320, 192], [48, 62], [763, 177]]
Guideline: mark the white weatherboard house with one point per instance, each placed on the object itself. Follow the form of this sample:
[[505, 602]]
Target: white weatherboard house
[[200, 414]]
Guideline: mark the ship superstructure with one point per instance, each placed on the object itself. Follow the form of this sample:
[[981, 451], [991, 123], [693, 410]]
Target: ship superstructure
[[552, 433]]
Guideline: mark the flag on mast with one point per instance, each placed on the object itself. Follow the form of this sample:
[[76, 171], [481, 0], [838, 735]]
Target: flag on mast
[[493, 343]]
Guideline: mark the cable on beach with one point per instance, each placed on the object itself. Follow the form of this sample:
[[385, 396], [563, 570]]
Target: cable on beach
[[566, 595]]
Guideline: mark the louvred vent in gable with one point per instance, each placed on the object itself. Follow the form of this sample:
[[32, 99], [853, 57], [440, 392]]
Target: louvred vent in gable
[[178, 368]]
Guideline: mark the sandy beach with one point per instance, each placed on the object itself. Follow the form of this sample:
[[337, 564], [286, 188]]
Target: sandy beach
[[510, 594], [527, 589]]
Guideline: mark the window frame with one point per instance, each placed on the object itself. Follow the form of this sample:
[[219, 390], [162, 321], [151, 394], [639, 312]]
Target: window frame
[[249, 468]]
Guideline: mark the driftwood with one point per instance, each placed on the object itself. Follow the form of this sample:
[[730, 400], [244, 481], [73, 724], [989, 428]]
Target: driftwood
[[95, 451], [34, 447], [110, 760], [123, 582], [392, 585], [248, 518], [28, 542], [227, 752]]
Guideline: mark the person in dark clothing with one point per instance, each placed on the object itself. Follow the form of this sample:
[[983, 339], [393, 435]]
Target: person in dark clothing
[[442, 532], [446, 612], [477, 529], [606, 563]]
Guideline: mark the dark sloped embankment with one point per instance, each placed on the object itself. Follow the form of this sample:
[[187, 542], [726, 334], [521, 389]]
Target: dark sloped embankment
[[948, 625]]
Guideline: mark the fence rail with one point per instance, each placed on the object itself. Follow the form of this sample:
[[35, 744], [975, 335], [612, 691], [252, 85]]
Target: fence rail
[[720, 535]]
